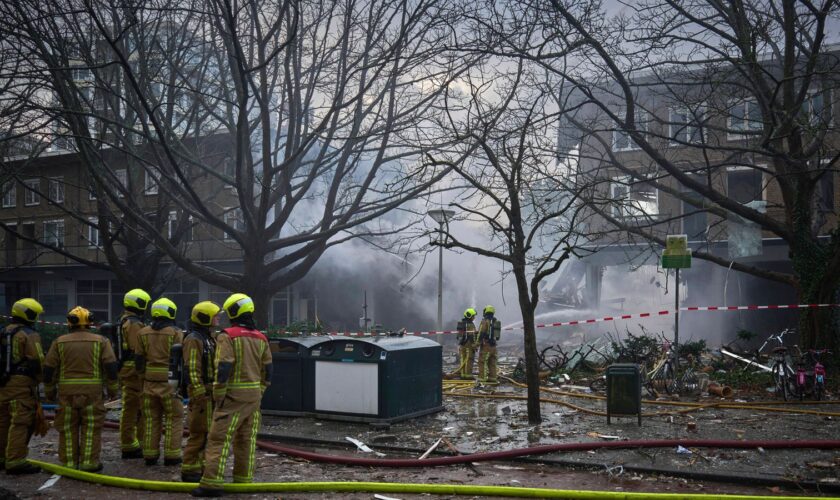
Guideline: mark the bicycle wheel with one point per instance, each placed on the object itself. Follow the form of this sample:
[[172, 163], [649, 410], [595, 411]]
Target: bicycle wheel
[[689, 383], [818, 391], [599, 384], [780, 379], [663, 379]]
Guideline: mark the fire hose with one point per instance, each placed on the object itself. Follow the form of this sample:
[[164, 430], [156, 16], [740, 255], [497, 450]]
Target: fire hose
[[373, 487]]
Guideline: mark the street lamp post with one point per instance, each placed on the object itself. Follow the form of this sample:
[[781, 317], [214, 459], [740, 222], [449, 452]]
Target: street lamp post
[[440, 216]]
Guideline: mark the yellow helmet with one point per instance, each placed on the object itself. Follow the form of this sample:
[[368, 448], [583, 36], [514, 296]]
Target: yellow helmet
[[27, 309], [238, 304], [489, 310], [79, 317], [164, 308], [469, 313], [204, 312], [137, 299]]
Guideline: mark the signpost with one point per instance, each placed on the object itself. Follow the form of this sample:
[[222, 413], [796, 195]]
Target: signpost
[[676, 256]]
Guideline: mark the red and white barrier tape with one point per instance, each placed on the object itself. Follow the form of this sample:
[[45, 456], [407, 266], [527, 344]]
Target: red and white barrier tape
[[571, 323]]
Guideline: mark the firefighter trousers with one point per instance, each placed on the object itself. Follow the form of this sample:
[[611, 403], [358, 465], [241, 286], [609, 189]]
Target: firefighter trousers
[[79, 420], [236, 424], [164, 418], [17, 420], [198, 422], [131, 420], [467, 355], [487, 361]]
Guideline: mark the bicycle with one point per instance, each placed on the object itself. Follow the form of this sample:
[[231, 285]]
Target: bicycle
[[819, 372], [663, 374], [783, 374]]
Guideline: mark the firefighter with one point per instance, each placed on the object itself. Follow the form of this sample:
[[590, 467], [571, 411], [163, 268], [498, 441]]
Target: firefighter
[[135, 303], [199, 353], [467, 342], [22, 358], [488, 335], [83, 362], [243, 371], [163, 410]]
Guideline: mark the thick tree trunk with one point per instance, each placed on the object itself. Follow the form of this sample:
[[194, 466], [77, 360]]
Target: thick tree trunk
[[532, 367], [814, 286]]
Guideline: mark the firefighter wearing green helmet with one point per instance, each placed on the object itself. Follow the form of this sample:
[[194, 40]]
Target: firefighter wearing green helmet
[[467, 343], [135, 303], [243, 371], [163, 412], [489, 331], [199, 353], [22, 359]]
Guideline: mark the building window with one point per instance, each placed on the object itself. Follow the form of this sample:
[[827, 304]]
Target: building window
[[815, 108], [150, 183], [54, 233], [685, 126], [744, 184], [9, 194], [93, 236], [122, 178], [56, 191], [95, 295], [233, 218], [694, 218], [30, 192], [633, 198], [171, 224], [621, 140], [744, 117]]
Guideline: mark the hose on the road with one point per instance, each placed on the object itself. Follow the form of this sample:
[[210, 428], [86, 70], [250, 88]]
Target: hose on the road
[[372, 487]]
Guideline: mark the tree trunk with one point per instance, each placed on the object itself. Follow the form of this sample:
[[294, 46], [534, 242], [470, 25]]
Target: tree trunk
[[532, 367], [815, 286]]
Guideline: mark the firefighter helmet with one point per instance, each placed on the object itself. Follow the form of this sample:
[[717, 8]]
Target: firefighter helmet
[[204, 312], [164, 308], [79, 317], [137, 299], [489, 310], [469, 313], [27, 309], [238, 304]]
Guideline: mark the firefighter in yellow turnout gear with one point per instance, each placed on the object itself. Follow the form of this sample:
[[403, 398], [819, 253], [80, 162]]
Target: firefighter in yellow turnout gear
[[135, 303], [467, 341], [199, 355], [22, 360], [243, 371], [163, 412], [84, 362], [488, 335]]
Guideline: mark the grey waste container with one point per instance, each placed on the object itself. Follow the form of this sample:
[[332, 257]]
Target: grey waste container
[[291, 391], [624, 391], [377, 380]]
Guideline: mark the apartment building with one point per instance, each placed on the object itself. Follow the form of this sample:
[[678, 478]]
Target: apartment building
[[710, 127]]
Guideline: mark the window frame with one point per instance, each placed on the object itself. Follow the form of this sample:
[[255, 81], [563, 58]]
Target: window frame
[[690, 132], [58, 183], [59, 237], [744, 168], [229, 212], [626, 181], [93, 228], [643, 123], [749, 126], [151, 187], [10, 191], [31, 197], [121, 174]]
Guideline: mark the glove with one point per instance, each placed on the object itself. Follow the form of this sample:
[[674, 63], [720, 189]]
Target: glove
[[42, 425]]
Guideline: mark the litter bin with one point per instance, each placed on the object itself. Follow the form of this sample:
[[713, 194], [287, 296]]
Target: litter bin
[[291, 390], [624, 391], [377, 380]]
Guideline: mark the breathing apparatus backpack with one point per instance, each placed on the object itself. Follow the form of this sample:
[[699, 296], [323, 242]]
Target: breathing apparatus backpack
[[176, 368], [7, 365], [208, 351]]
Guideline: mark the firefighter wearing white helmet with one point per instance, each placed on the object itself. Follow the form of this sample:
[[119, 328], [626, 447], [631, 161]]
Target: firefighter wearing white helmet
[[21, 358], [135, 303], [84, 364], [243, 371], [163, 412], [488, 334], [199, 353], [467, 342]]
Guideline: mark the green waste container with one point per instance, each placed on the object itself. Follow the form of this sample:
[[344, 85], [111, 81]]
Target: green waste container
[[624, 391]]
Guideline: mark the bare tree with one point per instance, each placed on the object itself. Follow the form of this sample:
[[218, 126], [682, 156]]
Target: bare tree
[[674, 95], [515, 185], [322, 109]]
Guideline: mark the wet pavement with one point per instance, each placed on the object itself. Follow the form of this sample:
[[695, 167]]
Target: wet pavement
[[476, 425]]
